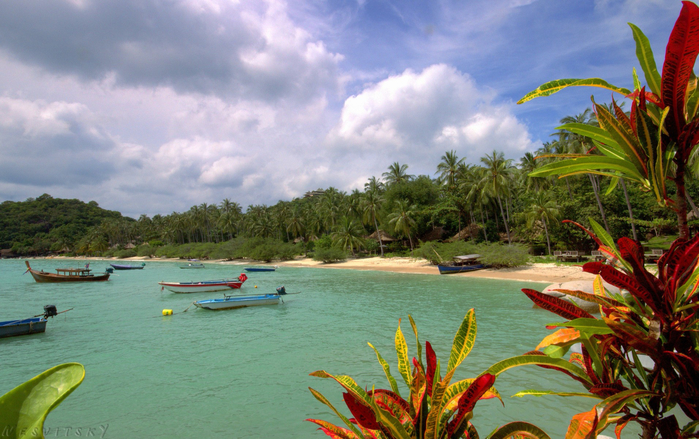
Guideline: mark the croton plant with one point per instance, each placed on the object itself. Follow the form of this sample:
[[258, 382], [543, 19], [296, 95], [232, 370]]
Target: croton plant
[[434, 408]]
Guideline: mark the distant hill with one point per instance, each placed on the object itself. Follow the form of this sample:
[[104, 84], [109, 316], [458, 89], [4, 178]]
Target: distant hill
[[45, 224]]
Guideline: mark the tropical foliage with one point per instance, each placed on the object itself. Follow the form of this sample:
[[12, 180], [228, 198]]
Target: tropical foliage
[[434, 406]]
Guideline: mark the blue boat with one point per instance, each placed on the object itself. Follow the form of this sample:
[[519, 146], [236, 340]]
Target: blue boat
[[32, 325], [249, 269], [231, 302], [128, 266], [461, 264]]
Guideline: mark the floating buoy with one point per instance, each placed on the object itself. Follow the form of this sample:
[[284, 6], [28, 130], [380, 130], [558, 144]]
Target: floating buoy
[[255, 286], [167, 312]]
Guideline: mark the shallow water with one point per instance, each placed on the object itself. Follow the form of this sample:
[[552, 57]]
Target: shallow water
[[244, 373]]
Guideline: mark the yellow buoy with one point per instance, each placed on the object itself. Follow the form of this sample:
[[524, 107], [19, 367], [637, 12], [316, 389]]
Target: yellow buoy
[[167, 312], [255, 286]]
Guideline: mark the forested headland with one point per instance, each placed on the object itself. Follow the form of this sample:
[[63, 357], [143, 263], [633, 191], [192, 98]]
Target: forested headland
[[495, 201]]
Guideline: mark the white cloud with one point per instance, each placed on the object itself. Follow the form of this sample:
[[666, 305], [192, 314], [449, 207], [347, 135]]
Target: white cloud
[[414, 117]]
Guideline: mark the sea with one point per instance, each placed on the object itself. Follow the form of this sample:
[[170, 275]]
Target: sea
[[244, 373]]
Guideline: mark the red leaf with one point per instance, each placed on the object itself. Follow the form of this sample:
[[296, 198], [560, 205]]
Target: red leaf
[[431, 367], [391, 398], [680, 55], [607, 390], [558, 306], [469, 399], [625, 282], [592, 235], [365, 415]]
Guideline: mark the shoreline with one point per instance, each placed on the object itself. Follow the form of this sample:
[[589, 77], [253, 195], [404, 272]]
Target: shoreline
[[537, 272]]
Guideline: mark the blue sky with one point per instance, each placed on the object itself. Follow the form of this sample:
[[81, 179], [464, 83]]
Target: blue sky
[[151, 107]]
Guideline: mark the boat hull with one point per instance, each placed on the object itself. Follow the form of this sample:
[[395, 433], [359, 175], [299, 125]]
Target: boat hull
[[201, 287], [14, 328], [259, 269], [192, 266], [127, 267], [238, 302], [43, 277], [447, 269]]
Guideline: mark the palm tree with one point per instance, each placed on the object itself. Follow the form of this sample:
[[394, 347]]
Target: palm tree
[[542, 208], [397, 174], [495, 178], [374, 185], [348, 234], [295, 224], [371, 204], [448, 169], [402, 219]]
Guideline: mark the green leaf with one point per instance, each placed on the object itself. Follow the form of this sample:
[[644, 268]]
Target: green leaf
[[513, 428], [587, 326], [552, 87], [524, 360], [463, 340], [591, 131], [402, 353], [558, 350], [417, 340], [538, 393], [24, 408], [588, 164], [319, 396], [386, 369], [644, 53]]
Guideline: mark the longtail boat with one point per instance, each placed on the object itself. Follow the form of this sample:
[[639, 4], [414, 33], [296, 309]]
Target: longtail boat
[[128, 266], [67, 275], [461, 264], [204, 286]]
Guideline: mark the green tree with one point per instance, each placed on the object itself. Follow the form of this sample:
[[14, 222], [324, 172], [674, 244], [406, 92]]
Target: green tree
[[402, 219], [348, 234]]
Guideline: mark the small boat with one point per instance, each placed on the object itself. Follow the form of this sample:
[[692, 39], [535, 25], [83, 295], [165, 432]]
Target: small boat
[[67, 275], [192, 265], [232, 302], [260, 269], [461, 264], [128, 266], [205, 286], [32, 325]]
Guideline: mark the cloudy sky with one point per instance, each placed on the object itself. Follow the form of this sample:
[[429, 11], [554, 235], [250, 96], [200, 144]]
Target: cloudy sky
[[152, 106]]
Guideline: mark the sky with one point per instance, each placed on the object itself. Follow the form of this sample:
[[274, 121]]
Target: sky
[[153, 106]]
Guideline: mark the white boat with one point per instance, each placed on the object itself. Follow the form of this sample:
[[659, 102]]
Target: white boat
[[231, 302], [204, 286]]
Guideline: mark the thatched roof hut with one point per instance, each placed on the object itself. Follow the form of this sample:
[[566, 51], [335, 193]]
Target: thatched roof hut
[[385, 237]]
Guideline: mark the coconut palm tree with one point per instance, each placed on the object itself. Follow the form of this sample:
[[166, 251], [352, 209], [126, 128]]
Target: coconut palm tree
[[348, 234], [448, 169], [371, 204], [397, 174], [544, 209], [402, 219], [495, 178]]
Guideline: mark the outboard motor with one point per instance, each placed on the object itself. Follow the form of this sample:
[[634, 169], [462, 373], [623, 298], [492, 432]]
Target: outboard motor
[[281, 290], [50, 311]]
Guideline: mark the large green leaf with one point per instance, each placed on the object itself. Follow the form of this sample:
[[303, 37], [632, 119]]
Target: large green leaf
[[588, 164], [386, 370], [463, 340], [24, 408], [524, 360], [587, 326], [549, 392], [644, 53], [591, 131], [552, 87], [513, 429], [417, 340]]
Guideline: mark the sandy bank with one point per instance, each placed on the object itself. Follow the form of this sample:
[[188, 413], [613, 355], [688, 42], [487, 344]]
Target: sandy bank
[[547, 273]]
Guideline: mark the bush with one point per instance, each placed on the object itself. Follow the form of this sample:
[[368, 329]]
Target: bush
[[144, 250], [328, 255], [127, 253], [494, 255]]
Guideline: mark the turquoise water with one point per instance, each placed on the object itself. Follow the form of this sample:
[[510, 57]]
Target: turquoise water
[[244, 373]]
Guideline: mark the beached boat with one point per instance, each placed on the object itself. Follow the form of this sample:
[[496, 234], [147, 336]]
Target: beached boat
[[128, 266], [232, 302], [192, 265], [260, 269], [32, 325], [205, 286], [461, 264], [67, 275]]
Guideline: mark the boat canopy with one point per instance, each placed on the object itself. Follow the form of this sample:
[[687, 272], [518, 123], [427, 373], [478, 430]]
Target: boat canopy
[[466, 258]]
